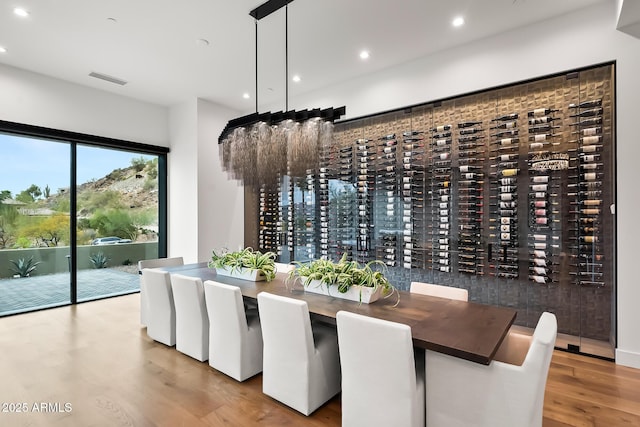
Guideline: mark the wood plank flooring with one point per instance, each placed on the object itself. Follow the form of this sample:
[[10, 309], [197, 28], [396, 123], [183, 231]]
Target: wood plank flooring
[[93, 365]]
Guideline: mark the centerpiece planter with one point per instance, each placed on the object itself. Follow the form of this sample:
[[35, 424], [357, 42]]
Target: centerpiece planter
[[241, 273], [356, 293], [344, 279], [245, 264]]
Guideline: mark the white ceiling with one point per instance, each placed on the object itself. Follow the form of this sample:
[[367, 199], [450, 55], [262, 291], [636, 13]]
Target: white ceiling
[[153, 43]]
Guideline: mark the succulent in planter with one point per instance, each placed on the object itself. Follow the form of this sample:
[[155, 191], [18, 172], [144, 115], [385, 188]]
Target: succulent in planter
[[246, 259], [24, 268], [343, 275]]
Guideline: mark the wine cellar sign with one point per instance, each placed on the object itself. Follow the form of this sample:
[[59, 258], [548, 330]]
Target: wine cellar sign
[[504, 192]]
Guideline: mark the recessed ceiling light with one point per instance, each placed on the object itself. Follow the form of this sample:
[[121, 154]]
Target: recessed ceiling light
[[458, 21], [3, 49], [202, 42], [112, 20], [364, 54], [296, 78], [246, 95], [20, 12]]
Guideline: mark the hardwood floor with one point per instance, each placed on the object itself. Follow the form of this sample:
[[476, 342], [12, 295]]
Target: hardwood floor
[[97, 360]]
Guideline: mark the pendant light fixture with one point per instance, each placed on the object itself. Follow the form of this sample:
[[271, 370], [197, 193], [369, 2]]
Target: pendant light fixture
[[260, 147]]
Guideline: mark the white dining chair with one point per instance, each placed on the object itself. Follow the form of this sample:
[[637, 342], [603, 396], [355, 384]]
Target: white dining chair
[[235, 339], [284, 268], [161, 319], [439, 291], [382, 381], [301, 366], [192, 321], [460, 393], [152, 263]]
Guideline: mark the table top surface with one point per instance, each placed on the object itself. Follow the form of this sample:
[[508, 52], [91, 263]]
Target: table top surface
[[463, 329]]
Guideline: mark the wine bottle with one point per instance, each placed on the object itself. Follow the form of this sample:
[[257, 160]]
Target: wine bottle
[[505, 125], [467, 124], [441, 128], [587, 104], [588, 122], [513, 132], [470, 138], [470, 131], [588, 131], [542, 128], [541, 112], [412, 133], [541, 120], [505, 117], [588, 113]]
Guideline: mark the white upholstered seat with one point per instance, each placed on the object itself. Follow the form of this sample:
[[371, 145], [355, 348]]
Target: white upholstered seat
[[161, 316], [152, 263], [439, 291], [235, 340], [192, 321], [460, 393], [381, 384], [301, 367]]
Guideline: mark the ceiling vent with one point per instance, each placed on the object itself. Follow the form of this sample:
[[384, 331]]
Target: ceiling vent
[[108, 78]]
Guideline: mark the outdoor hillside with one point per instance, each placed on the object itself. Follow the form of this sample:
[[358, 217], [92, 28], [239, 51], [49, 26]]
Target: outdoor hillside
[[123, 203]]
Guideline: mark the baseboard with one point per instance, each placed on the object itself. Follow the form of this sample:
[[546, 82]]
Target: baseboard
[[628, 358]]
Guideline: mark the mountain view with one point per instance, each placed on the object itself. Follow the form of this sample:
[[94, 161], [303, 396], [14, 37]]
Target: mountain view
[[124, 203]]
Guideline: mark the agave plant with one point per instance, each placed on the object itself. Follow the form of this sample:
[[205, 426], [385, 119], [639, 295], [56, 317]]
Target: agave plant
[[99, 260], [248, 259], [343, 274], [23, 267]]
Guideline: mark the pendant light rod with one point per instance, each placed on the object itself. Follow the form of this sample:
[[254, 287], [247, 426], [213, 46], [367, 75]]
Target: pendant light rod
[[286, 58], [256, 21]]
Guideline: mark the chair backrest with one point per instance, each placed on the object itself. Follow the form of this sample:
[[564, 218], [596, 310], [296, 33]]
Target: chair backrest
[[160, 262], [439, 291], [162, 315], [286, 328], [538, 359], [284, 268], [186, 291], [378, 372], [225, 308], [192, 321]]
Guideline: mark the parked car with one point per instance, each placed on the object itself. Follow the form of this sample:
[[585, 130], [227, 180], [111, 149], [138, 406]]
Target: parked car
[[111, 240]]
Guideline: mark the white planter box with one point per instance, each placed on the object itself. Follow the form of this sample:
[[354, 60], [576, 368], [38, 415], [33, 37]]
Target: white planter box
[[244, 274], [355, 293]]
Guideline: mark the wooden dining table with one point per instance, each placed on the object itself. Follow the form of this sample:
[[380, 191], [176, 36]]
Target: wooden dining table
[[462, 329]]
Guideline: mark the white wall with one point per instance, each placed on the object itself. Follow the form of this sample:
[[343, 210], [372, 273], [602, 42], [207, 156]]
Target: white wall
[[571, 41], [183, 182], [206, 208], [35, 99], [220, 200]]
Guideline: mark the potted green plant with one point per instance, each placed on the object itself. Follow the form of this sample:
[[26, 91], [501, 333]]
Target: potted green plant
[[344, 279], [245, 264]]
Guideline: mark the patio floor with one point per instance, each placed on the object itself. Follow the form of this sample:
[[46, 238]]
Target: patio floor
[[29, 293]]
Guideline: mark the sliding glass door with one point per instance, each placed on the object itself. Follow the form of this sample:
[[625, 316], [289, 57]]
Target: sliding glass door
[[34, 224], [117, 219], [77, 213]]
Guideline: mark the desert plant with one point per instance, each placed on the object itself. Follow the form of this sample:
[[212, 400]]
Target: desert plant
[[23, 267], [246, 258], [99, 260], [343, 274]]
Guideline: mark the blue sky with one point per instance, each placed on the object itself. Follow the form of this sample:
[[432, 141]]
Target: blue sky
[[25, 161]]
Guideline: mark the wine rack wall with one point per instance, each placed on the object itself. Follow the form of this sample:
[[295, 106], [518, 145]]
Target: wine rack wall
[[506, 193]]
